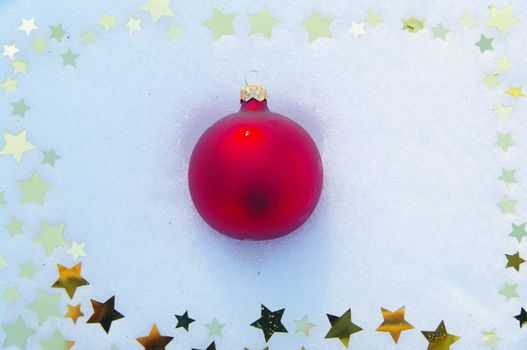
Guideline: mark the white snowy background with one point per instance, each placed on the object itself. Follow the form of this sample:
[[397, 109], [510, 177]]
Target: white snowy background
[[405, 128]]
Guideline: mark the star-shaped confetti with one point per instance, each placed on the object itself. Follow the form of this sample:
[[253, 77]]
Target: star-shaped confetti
[[522, 317], [490, 80], [491, 339], [440, 31], [2, 198], [51, 237], [17, 334], [317, 26], [9, 85], [501, 19], [303, 326], [220, 24], [74, 312], [11, 294], [89, 37], [19, 66], [133, 25], [154, 341], [3, 262], [49, 157], [504, 63], [174, 32], [70, 279], [215, 328], [270, 322], [27, 26], [440, 339], [394, 323], [515, 92], [504, 141], [263, 23], [57, 32], [69, 58], [357, 29], [467, 20], [27, 270], [514, 261], [518, 231], [507, 205], [10, 51], [342, 327], [56, 342], [14, 227], [39, 45], [509, 291], [46, 306], [34, 189], [158, 9], [20, 108], [16, 145], [413, 24], [76, 250], [503, 111], [107, 21], [183, 321], [484, 43], [374, 18], [104, 313]]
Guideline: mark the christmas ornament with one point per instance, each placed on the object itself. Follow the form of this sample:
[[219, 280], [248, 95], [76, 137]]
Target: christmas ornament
[[255, 174]]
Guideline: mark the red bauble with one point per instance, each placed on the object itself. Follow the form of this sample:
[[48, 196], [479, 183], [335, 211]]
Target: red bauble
[[255, 174]]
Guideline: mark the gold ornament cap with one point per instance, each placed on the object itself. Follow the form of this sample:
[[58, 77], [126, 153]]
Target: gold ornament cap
[[257, 92]]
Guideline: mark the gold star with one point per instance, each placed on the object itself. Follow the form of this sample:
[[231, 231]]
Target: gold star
[[502, 19], [154, 341], [342, 327], [16, 145], [515, 92], [514, 261], [394, 323], [70, 279], [74, 312], [104, 313], [440, 339]]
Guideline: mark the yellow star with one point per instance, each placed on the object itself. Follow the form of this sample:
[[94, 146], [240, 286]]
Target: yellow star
[[318, 26], [515, 92], [504, 63], [74, 312], [158, 9], [154, 341], [16, 145], [107, 21], [9, 85], [133, 25], [440, 339], [70, 279], [502, 19], [342, 327], [394, 323]]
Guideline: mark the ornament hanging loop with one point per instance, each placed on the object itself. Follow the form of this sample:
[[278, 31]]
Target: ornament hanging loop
[[247, 75]]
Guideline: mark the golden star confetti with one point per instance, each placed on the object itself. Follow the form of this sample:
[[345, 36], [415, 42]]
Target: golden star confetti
[[440, 339], [394, 323], [74, 312], [342, 327], [70, 279], [104, 313], [154, 341], [270, 322]]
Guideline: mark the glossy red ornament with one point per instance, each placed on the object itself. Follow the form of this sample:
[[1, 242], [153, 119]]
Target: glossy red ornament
[[255, 174]]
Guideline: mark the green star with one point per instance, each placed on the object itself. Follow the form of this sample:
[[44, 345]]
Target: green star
[[484, 43], [27, 270], [2, 199], [440, 31], [503, 111], [20, 108], [508, 176], [57, 32], [158, 9], [174, 32], [9, 85], [303, 326], [51, 237], [16, 145], [502, 19], [374, 18], [518, 231], [45, 306], [263, 23], [507, 205], [514, 260], [69, 58], [34, 189], [504, 141], [57, 342], [89, 37], [215, 328], [220, 24], [413, 24], [3, 262], [14, 226], [39, 45], [19, 66], [134, 25], [317, 26], [270, 322], [11, 294], [17, 334], [504, 63], [49, 157], [107, 21], [490, 80], [183, 321], [467, 20], [509, 291], [491, 339], [342, 327]]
